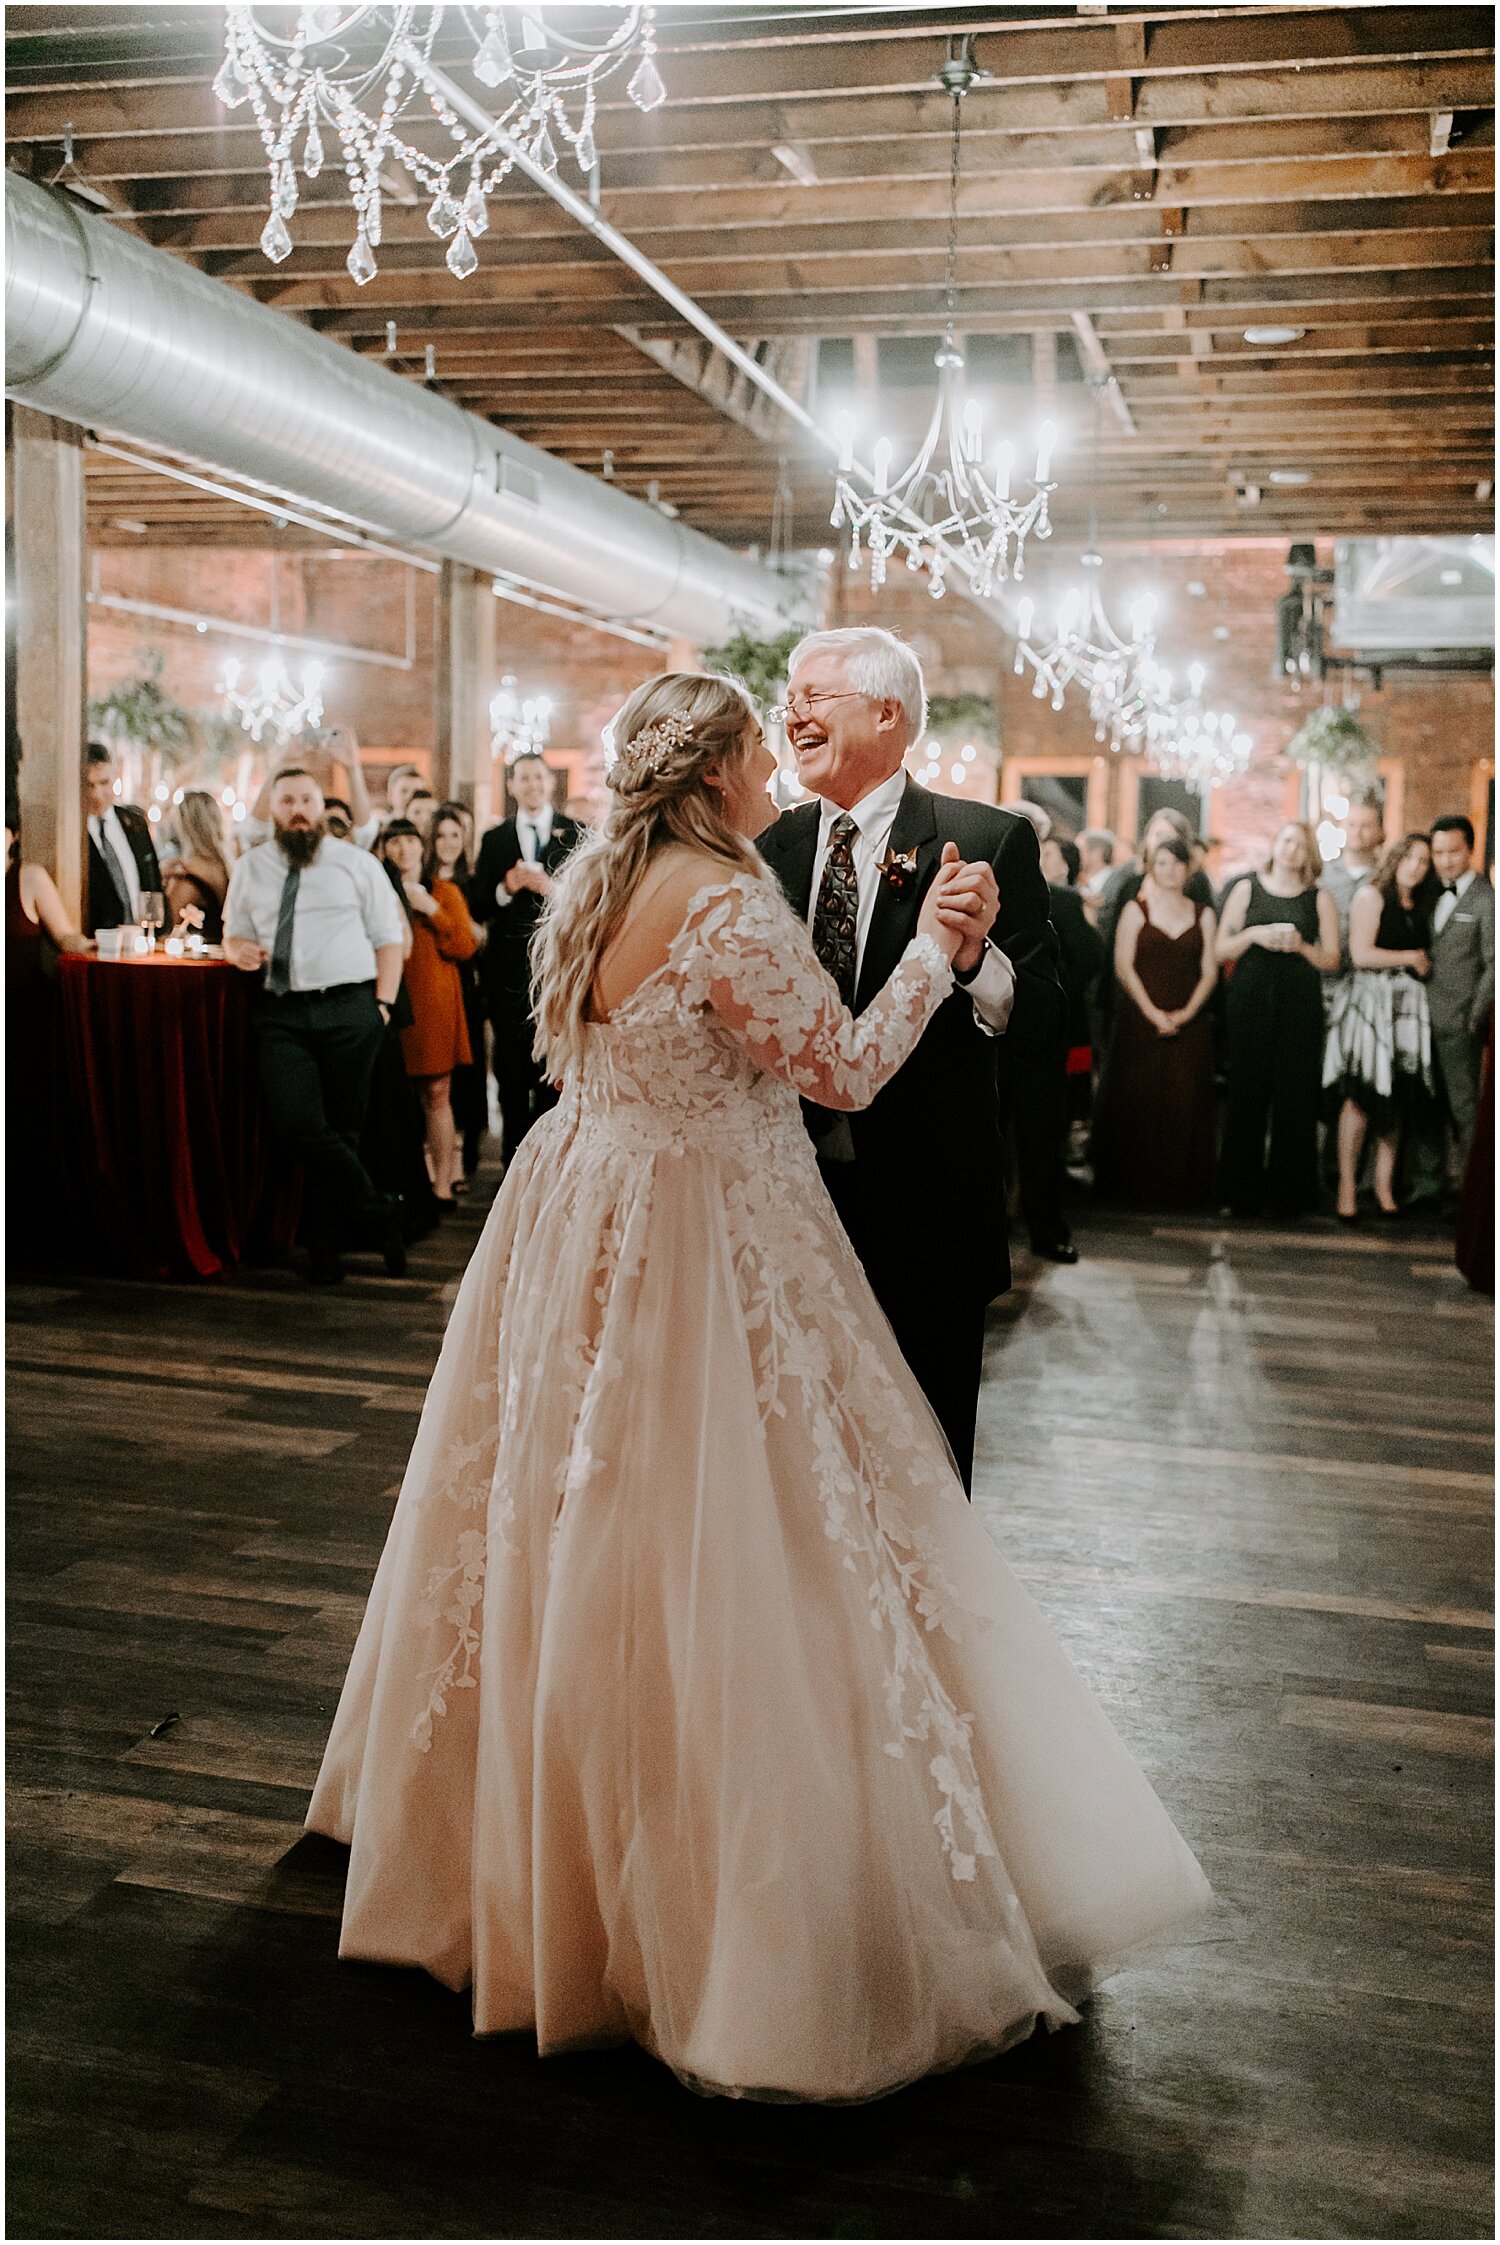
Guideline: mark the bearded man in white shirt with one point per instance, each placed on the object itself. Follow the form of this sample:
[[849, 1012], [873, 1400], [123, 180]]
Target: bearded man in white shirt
[[918, 1177], [319, 919]]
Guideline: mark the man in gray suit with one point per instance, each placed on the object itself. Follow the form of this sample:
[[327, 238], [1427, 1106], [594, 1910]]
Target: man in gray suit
[[1461, 988]]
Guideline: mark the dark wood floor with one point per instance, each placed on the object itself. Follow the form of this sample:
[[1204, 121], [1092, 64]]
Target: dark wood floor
[[1247, 1474]]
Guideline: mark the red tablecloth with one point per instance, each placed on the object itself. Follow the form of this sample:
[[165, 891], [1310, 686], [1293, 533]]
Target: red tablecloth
[[168, 1142]]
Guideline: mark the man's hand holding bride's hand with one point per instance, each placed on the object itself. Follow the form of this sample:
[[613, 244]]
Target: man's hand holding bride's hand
[[959, 909]]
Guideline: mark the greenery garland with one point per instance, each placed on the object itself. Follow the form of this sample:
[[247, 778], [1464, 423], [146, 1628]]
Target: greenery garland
[[952, 718], [1334, 738], [758, 663], [141, 712]]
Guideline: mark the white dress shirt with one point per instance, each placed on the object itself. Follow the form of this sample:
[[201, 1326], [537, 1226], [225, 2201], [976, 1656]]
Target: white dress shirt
[[1447, 903], [993, 989], [109, 833], [533, 832], [346, 911]]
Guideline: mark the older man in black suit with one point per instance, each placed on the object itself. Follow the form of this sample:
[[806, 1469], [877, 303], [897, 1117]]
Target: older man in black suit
[[918, 1177], [123, 864]]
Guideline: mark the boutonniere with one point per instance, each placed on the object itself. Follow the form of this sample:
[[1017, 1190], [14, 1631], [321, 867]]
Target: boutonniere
[[899, 867]]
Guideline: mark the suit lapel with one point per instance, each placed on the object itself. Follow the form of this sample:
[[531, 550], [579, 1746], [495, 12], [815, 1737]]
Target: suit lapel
[[894, 919], [790, 848]]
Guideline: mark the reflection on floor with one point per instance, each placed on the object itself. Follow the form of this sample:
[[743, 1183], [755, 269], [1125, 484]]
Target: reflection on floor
[[1245, 1472]]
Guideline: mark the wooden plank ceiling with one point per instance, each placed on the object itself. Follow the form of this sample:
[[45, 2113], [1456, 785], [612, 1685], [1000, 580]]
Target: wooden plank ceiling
[[1140, 186]]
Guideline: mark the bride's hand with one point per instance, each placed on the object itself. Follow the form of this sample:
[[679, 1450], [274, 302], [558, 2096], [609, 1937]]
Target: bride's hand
[[940, 917]]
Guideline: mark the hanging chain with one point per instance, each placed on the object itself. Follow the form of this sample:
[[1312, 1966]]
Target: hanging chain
[[952, 288]]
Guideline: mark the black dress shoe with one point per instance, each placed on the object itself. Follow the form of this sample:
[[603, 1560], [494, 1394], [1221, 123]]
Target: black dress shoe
[[1055, 1250], [392, 1242]]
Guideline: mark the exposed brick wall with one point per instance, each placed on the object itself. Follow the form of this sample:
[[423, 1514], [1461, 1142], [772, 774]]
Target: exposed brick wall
[[357, 602]]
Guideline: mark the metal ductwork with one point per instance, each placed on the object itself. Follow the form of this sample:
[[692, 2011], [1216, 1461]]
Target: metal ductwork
[[102, 329]]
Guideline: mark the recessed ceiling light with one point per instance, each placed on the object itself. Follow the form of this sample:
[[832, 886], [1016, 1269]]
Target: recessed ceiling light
[[1291, 475], [1274, 334]]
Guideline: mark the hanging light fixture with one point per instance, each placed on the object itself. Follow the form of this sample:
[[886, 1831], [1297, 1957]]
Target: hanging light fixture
[[1186, 741], [327, 76], [1086, 650], [269, 702], [962, 496], [1113, 670], [519, 724]]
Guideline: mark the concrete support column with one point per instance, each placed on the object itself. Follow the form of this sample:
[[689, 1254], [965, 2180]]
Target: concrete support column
[[465, 650], [47, 523]]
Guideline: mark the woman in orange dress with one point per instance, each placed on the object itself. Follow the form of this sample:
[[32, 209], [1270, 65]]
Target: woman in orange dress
[[437, 1041]]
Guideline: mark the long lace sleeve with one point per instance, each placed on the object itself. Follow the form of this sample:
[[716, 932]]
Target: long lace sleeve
[[751, 959]]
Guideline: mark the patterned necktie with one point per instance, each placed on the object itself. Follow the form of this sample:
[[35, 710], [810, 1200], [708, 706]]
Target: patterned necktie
[[835, 928], [279, 977]]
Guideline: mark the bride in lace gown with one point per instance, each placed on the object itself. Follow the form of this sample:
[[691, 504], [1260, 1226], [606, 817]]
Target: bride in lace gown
[[692, 1703]]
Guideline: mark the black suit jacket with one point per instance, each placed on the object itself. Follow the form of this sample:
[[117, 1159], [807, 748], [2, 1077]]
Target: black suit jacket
[[106, 906], [930, 1142], [505, 963]]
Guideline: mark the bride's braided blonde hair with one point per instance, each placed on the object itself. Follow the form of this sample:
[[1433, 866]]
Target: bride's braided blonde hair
[[668, 737]]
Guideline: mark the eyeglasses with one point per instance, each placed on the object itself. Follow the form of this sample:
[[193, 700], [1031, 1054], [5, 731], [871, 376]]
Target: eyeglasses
[[807, 705]]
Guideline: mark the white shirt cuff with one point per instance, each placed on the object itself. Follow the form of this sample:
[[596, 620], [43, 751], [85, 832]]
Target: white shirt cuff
[[993, 992]]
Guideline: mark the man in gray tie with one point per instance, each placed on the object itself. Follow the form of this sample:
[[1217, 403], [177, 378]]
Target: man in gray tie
[[122, 864], [320, 920], [1461, 988]]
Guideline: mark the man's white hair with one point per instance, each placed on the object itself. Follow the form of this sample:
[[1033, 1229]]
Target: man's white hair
[[876, 663]]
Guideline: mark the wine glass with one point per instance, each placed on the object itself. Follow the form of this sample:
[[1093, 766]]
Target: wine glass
[[152, 915]]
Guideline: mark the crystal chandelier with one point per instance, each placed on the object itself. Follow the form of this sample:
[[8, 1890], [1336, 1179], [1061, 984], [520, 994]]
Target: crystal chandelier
[[324, 76], [518, 726], [1114, 672], [271, 703], [1188, 742], [949, 496]]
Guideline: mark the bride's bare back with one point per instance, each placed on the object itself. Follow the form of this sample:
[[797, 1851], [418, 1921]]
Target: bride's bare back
[[651, 926]]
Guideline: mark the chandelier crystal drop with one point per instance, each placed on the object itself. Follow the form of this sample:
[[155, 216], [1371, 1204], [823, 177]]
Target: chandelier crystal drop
[[1086, 650], [269, 702], [345, 72], [955, 497]]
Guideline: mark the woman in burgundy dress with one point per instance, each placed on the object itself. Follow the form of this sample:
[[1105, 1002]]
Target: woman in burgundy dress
[[1154, 1120]]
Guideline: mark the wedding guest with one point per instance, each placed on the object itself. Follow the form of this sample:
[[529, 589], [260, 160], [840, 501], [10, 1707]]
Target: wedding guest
[[1124, 884], [401, 785], [450, 858], [1154, 1119], [338, 745], [421, 808], [438, 1040], [1378, 1057], [517, 862], [35, 919], [1096, 849], [197, 879], [317, 918], [393, 1142], [1280, 934], [1053, 1091], [122, 863], [1345, 875], [1474, 1233], [1461, 989]]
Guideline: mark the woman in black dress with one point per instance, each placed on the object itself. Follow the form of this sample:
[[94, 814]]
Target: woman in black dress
[[198, 879], [1377, 1064], [1280, 933], [1154, 1120]]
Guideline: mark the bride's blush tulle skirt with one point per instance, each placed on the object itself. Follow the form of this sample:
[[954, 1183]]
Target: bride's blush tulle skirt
[[693, 1705]]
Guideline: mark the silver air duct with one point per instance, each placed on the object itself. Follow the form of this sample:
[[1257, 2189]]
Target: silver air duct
[[101, 328]]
